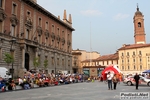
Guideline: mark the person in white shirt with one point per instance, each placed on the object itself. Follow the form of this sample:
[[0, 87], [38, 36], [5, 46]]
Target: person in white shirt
[[109, 79], [20, 81]]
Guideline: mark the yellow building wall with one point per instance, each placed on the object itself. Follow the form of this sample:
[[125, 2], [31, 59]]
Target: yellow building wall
[[134, 63]]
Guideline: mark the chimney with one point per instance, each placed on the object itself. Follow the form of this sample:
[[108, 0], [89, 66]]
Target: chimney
[[58, 17], [70, 20], [65, 16]]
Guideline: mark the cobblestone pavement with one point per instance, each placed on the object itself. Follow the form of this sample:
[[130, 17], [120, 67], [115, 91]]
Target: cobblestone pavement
[[78, 91]]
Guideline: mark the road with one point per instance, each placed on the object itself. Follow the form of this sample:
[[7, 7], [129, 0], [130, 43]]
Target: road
[[78, 91]]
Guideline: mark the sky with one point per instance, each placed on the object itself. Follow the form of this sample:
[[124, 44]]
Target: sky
[[101, 25]]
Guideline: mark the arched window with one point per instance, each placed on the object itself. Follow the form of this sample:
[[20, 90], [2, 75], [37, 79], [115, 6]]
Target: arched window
[[139, 24]]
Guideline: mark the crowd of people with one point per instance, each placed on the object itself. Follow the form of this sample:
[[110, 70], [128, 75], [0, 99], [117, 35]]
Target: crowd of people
[[40, 79]]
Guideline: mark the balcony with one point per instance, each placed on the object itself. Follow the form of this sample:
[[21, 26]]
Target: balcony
[[28, 22]]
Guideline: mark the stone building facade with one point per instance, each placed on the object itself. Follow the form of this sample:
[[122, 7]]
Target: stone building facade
[[38, 34]]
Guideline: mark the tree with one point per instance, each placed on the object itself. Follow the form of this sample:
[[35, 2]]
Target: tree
[[36, 62], [8, 58], [45, 63]]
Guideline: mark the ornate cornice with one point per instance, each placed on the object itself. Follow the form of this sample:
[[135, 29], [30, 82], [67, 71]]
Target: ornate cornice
[[14, 20], [58, 38], [53, 36], [63, 40], [39, 30], [68, 42], [2, 15], [46, 13], [47, 34], [28, 22]]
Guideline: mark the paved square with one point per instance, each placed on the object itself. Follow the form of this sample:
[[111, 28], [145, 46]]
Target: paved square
[[78, 91]]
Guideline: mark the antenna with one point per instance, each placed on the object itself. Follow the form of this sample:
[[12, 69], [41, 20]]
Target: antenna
[[90, 45]]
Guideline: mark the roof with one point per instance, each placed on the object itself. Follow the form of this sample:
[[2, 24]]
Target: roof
[[104, 58], [138, 12], [87, 60], [108, 57], [76, 53], [94, 66], [47, 13], [133, 46]]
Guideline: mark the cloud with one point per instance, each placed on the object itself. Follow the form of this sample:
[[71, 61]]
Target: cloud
[[91, 13], [121, 16]]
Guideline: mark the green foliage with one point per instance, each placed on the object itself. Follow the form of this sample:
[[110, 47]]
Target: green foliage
[[8, 58], [36, 62], [45, 63]]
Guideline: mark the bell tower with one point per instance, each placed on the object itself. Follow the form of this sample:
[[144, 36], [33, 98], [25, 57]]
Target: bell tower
[[139, 32]]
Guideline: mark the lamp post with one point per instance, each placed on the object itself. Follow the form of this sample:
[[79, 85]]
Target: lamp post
[[55, 62], [13, 41]]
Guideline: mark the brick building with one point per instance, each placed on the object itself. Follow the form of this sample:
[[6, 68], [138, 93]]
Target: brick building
[[38, 34]]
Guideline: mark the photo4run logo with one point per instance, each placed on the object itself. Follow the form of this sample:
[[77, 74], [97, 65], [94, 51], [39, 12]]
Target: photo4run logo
[[134, 95]]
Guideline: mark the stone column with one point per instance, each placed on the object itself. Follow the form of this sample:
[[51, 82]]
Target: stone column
[[22, 69], [23, 58]]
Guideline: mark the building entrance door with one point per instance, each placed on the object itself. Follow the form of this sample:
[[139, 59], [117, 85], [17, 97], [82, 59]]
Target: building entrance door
[[27, 61]]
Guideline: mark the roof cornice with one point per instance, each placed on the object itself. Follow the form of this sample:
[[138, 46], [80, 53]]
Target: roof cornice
[[47, 13]]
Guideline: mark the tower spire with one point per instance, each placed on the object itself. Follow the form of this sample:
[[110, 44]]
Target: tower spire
[[137, 7]]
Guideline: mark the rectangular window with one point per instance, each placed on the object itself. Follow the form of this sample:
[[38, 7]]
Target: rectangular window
[[27, 34], [58, 31], [28, 14], [127, 53], [128, 67], [122, 61], [63, 35], [52, 43], [134, 66], [122, 54], [69, 63], [53, 30], [46, 26], [52, 61], [12, 30], [40, 21], [1, 3], [140, 66], [14, 6], [62, 62], [140, 60], [128, 60], [133, 60], [140, 53], [68, 37], [123, 67], [133, 53]]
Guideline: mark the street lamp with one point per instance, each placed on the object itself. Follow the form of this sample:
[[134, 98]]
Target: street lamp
[[13, 41], [55, 62]]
